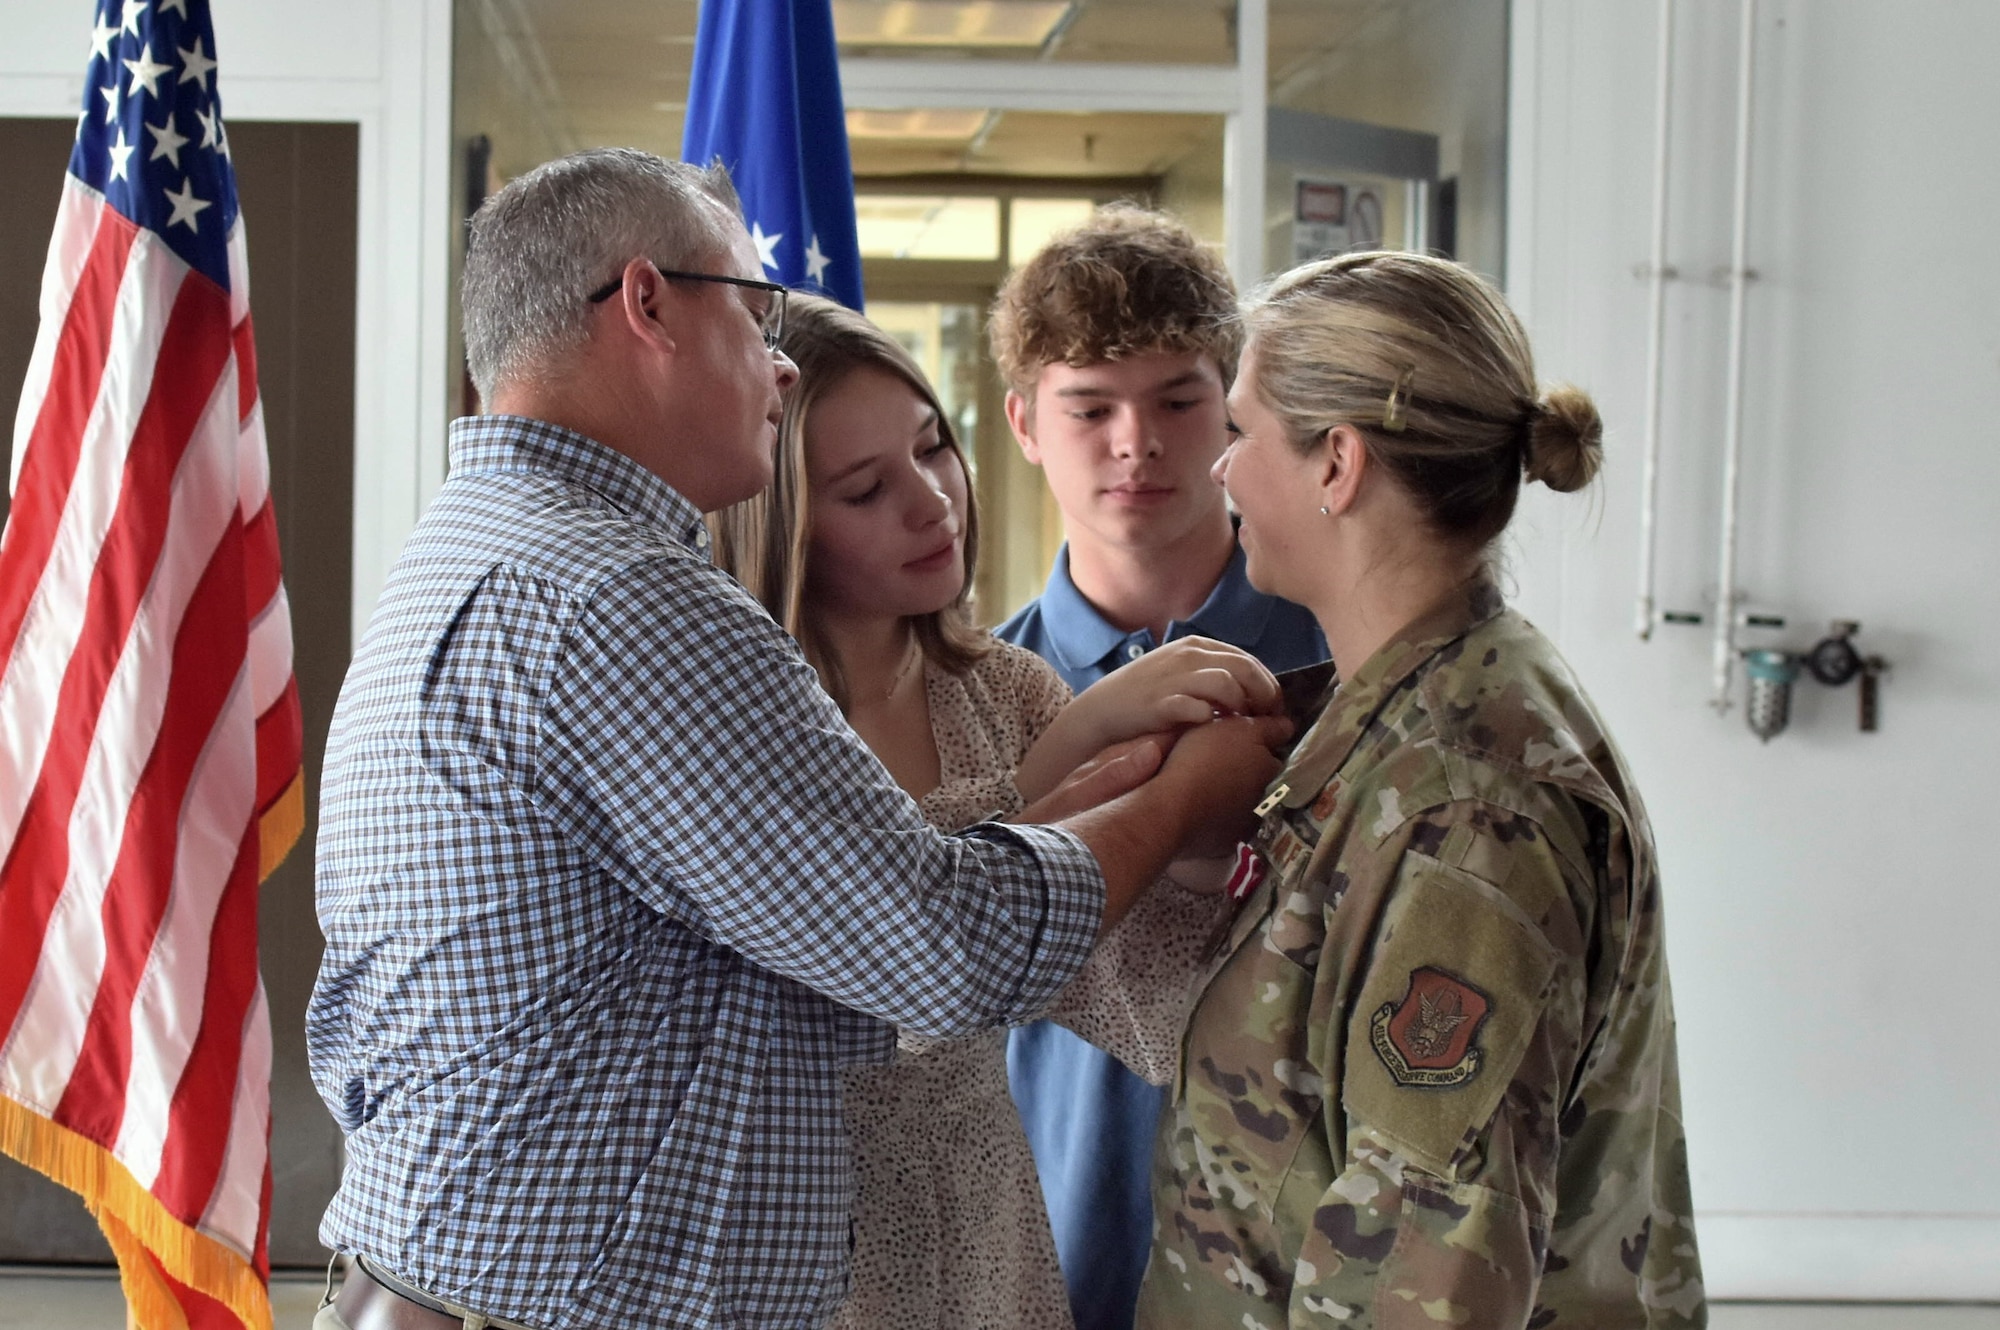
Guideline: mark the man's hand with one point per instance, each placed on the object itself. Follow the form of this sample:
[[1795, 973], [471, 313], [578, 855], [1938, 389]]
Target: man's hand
[[1117, 770], [1184, 683], [1226, 764], [1198, 804]]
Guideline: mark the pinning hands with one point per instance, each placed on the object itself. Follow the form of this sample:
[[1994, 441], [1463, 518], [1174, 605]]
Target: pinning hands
[[1221, 769], [1195, 805], [1117, 770], [1186, 683]]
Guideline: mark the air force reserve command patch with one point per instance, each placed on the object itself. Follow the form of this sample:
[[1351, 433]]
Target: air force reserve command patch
[[1430, 1037], [1460, 979]]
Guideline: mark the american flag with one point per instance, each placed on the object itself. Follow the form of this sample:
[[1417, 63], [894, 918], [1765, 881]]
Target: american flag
[[149, 724]]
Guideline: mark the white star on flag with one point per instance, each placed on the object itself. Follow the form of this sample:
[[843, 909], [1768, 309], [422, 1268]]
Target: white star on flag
[[121, 155], [186, 206], [147, 70], [210, 124], [177, 6], [109, 92], [134, 11], [167, 141], [815, 262], [195, 64], [101, 38], [767, 246]]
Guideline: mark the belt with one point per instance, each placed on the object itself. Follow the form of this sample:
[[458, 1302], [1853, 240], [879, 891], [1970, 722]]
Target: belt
[[371, 1298]]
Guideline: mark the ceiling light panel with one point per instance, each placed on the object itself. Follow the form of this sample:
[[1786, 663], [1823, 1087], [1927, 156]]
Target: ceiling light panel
[[934, 24], [1168, 32], [905, 226], [915, 126]]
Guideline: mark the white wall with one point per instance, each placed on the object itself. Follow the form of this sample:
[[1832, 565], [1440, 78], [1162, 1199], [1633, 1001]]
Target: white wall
[[1436, 66], [384, 65], [1834, 923]]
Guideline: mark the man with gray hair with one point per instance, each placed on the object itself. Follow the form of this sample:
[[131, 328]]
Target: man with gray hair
[[611, 892]]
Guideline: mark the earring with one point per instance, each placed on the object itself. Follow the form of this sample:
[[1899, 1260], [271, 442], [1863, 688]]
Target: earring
[[1323, 511]]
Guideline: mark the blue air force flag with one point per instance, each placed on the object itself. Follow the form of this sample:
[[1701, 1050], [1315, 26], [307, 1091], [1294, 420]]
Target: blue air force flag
[[765, 98]]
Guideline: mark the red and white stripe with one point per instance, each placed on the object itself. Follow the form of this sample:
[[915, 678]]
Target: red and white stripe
[[148, 719], [1246, 874]]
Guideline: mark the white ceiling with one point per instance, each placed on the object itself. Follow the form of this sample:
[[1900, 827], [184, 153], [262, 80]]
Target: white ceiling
[[615, 72]]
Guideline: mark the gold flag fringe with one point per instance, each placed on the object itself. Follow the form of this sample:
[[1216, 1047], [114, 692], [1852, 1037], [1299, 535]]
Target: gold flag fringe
[[135, 1222], [149, 1303], [281, 826]]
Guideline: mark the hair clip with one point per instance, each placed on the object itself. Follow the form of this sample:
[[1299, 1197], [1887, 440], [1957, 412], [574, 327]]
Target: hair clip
[[1393, 418]]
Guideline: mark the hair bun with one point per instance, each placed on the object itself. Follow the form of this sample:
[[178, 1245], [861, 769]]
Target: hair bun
[[1565, 440]]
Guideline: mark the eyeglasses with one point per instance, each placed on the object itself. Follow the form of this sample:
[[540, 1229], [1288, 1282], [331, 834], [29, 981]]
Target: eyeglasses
[[771, 322]]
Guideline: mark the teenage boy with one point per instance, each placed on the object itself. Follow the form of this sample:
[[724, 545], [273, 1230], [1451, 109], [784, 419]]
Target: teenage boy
[[1118, 341]]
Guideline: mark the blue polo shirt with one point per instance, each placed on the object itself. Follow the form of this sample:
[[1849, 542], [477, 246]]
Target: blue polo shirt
[[1091, 1121]]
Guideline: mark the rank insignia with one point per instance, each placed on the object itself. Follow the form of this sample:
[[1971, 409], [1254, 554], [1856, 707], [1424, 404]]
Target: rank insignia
[[1427, 1038]]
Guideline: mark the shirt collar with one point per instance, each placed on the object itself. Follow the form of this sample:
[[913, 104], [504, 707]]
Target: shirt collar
[[522, 444], [1235, 612], [1078, 634], [1357, 700]]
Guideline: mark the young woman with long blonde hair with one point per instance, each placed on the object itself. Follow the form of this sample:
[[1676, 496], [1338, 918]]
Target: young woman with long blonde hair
[[864, 549]]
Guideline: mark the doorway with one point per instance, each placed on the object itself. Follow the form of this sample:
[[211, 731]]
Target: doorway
[[934, 255]]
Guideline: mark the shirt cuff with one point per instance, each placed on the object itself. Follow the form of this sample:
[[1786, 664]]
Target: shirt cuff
[[1072, 911]]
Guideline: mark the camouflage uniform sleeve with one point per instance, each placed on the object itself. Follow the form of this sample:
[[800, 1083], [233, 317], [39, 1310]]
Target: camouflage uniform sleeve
[[1458, 1014]]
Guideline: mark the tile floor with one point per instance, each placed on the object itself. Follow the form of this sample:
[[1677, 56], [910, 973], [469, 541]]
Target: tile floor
[[39, 1300], [1851, 1316], [35, 1300]]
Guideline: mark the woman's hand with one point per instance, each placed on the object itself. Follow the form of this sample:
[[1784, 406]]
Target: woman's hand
[[1186, 682], [1202, 876]]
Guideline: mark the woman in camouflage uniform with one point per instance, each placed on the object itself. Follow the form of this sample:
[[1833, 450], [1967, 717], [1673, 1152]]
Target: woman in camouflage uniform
[[1433, 1081]]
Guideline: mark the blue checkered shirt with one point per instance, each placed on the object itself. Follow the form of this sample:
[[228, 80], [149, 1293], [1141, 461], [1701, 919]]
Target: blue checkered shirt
[[611, 895]]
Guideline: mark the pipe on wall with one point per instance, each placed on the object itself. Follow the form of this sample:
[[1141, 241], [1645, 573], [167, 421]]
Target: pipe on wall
[[1657, 274], [1723, 658]]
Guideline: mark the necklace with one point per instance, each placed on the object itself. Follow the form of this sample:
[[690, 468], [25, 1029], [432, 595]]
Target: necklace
[[910, 659]]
